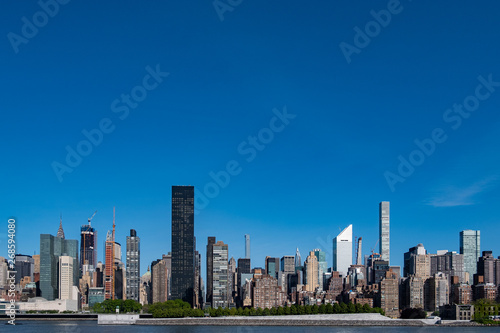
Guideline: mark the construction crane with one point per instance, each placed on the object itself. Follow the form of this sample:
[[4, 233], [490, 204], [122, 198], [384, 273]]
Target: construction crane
[[373, 249], [90, 218]]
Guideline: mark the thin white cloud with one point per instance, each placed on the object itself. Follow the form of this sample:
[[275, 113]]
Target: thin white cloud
[[454, 196]]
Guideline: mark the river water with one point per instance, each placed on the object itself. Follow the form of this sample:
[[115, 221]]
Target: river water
[[29, 326]]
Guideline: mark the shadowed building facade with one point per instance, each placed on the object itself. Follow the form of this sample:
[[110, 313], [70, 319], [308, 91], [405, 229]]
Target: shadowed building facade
[[183, 247]]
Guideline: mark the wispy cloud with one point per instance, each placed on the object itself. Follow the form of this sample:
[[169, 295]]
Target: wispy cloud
[[454, 196]]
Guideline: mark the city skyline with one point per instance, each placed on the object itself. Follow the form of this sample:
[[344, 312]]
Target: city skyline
[[267, 118]]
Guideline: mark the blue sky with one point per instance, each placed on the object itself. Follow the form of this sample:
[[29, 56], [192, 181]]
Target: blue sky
[[350, 119]]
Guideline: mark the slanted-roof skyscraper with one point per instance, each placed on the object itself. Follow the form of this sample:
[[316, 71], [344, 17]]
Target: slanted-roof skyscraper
[[183, 247], [470, 247], [342, 251], [384, 231]]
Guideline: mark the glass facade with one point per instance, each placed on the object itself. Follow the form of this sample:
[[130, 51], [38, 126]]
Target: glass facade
[[88, 249], [470, 247], [51, 248], [183, 246]]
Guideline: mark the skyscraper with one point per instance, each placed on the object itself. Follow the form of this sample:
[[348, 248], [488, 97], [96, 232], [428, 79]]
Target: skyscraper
[[311, 267], [88, 248], [183, 247], [159, 280], [470, 247], [220, 288], [342, 251], [384, 231], [272, 266], [51, 248], [133, 277], [65, 277], [298, 259], [247, 246], [210, 251]]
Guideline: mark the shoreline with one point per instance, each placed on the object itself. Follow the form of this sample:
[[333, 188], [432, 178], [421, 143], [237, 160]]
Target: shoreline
[[354, 320]]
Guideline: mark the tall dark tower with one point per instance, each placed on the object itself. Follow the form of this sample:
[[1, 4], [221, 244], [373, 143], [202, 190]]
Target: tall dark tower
[[88, 251], [210, 266], [183, 263]]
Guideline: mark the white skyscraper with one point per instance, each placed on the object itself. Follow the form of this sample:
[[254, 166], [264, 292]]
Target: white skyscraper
[[342, 251], [384, 231], [65, 277], [247, 246]]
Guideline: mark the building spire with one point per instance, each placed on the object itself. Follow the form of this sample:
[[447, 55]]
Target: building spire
[[60, 232]]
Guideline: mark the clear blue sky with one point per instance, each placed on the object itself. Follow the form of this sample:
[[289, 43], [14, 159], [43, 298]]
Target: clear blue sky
[[324, 170]]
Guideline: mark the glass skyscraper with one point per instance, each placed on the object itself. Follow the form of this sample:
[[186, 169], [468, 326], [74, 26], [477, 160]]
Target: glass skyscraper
[[51, 248], [88, 249], [384, 231], [470, 247], [183, 246]]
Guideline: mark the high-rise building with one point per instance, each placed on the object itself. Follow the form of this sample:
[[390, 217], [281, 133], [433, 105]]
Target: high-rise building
[[88, 246], [413, 292], [487, 267], [133, 260], [220, 288], [110, 254], [298, 259], [389, 294], [159, 281], [65, 277], [244, 271], [25, 266], [420, 265], [470, 247], [437, 292], [287, 264], [4, 267], [384, 231], [272, 266], [266, 293], [311, 267], [198, 281], [416, 250], [210, 251], [109, 269], [247, 246], [450, 263], [342, 251], [51, 248], [232, 280], [183, 244], [322, 266]]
